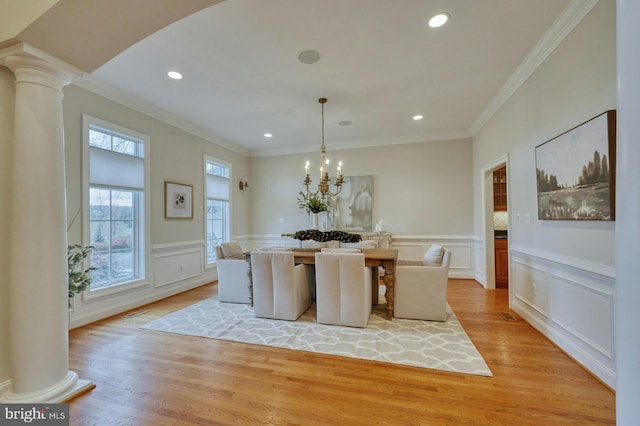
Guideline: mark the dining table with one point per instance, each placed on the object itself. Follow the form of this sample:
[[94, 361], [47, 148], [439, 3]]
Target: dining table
[[386, 258]]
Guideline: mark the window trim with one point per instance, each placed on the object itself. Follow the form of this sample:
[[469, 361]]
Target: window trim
[[144, 233], [228, 165]]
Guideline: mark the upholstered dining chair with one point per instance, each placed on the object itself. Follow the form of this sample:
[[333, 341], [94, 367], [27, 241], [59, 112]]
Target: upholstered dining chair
[[375, 275], [343, 289], [340, 250], [421, 286], [280, 288], [233, 274]]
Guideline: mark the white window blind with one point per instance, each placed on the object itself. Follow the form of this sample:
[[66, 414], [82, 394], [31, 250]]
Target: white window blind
[[109, 168], [217, 187]]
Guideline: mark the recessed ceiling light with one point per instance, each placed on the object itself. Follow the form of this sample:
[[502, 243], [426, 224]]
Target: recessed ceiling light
[[268, 135], [417, 117], [438, 20], [308, 56], [345, 123], [175, 75]]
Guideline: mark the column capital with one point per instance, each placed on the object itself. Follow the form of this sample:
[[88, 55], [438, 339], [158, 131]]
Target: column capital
[[35, 66]]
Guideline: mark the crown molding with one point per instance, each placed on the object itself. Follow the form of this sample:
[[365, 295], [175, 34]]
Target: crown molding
[[570, 17], [363, 143], [103, 89]]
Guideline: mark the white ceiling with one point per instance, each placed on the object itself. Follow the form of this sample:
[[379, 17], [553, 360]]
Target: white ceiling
[[380, 65]]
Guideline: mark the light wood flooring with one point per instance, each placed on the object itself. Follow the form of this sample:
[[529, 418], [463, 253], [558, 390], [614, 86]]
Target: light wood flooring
[[151, 378]]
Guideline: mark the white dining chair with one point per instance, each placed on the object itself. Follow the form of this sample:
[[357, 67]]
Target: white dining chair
[[280, 288], [421, 288], [233, 274], [343, 289]]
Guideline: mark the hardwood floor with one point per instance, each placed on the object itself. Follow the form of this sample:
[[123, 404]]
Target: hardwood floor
[[151, 378]]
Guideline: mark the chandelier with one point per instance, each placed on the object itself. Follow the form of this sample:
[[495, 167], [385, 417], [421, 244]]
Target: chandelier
[[324, 186]]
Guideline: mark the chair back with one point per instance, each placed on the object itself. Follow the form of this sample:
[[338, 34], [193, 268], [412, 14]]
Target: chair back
[[275, 248], [219, 254], [230, 250], [233, 278], [340, 250], [343, 289], [280, 289], [446, 260], [421, 291], [366, 244]]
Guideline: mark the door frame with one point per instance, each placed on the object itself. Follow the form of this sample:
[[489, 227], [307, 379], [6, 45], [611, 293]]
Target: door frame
[[486, 177]]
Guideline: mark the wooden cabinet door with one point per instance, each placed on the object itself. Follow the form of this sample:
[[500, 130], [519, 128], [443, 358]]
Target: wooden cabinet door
[[502, 263], [500, 189]]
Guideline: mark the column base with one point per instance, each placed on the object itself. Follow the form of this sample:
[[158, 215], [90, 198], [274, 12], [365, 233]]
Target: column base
[[64, 391]]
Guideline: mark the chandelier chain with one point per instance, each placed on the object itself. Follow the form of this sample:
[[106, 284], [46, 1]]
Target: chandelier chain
[[324, 185]]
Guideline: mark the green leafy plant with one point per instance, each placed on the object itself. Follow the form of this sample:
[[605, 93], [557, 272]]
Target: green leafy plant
[[79, 276], [324, 236], [311, 203]]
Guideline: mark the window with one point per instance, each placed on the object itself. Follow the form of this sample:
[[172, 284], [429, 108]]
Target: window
[[115, 176], [217, 175]]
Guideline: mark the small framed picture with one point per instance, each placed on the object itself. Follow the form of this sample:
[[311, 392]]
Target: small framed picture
[[178, 201]]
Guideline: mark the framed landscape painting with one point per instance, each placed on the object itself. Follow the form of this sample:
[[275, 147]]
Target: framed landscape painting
[[575, 172]]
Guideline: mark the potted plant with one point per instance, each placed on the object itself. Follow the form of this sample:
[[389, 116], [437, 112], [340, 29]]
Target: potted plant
[[313, 205], [79, 276]]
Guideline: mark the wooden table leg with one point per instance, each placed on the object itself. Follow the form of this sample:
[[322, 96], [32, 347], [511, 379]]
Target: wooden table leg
[[389, 282], [248, 258], [375, 284]]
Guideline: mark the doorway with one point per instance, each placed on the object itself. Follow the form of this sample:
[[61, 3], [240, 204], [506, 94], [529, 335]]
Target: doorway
[[501, 227], [495, 211]]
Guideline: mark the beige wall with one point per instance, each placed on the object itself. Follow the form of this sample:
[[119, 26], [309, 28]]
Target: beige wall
[[176, 262], [419, 189], [575, 83], [176, 156], [7, 96]]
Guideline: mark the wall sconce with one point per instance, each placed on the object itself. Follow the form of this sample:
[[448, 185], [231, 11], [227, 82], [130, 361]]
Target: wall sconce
[[243, 185]]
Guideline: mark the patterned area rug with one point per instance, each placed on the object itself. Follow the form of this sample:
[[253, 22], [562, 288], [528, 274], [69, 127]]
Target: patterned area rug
[[428, 344]]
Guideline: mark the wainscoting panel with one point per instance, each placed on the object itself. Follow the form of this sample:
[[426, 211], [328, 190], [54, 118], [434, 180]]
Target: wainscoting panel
[[570, 301], [461, 260], [530, 286], [410, 250], [171, 269], [585, 311], [478, 256], [174, 267]]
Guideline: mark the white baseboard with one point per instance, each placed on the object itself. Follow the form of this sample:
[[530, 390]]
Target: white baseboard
[[581, 356], [88, 317]]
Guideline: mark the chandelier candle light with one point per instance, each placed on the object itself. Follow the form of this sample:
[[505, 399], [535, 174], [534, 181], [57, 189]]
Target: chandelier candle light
[[323, 187]]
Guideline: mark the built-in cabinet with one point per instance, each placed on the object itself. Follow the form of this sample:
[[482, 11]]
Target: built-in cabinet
[[502, 262], [500, 189], [501, 241]]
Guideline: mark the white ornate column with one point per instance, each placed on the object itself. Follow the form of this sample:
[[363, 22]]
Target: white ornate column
[[39, 344], [628, 215]]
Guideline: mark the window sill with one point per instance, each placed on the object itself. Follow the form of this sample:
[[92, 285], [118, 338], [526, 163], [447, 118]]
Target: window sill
[[114, 289]]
